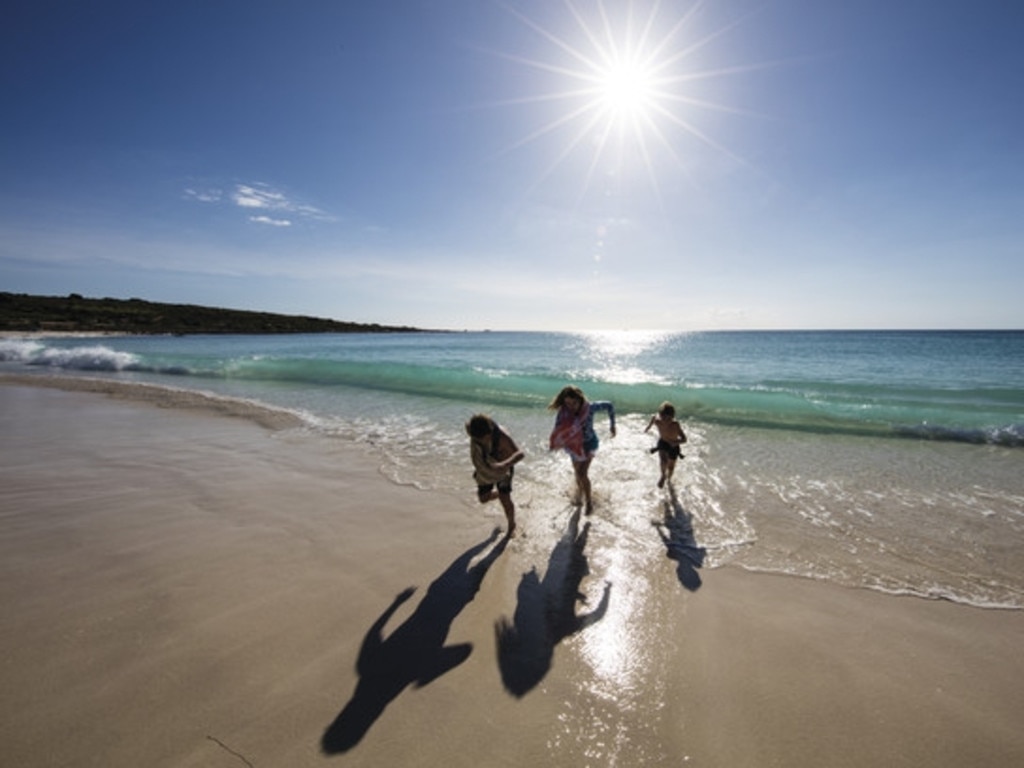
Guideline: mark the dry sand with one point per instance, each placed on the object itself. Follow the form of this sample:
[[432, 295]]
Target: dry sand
[[180, 588]]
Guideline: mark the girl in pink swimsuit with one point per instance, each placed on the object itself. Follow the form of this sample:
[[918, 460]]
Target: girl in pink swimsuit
[[574, 433]]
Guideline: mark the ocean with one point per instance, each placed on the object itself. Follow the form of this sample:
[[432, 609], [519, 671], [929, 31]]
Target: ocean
[[887, 460]]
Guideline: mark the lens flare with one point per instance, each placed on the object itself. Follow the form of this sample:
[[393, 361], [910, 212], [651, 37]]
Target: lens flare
[[623, 77]]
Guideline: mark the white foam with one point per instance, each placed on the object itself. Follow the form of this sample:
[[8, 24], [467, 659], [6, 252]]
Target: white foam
[[18, 351], [91, 358], [96, 358]]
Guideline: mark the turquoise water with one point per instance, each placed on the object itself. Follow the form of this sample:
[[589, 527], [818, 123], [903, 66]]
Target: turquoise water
[[962, 386], [885, 460]]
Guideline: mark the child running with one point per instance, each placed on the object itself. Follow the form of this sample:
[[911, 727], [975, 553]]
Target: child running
[[574, 432], [670, 437], [494, 455]]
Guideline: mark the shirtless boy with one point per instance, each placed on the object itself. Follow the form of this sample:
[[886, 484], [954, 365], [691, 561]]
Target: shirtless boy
[[670, 437]]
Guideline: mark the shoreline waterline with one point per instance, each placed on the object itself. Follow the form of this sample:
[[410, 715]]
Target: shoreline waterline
[[753, 502], [892, 461]]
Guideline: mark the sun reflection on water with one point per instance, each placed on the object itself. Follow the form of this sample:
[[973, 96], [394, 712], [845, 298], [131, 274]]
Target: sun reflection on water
[[623, 343], [614, 355]]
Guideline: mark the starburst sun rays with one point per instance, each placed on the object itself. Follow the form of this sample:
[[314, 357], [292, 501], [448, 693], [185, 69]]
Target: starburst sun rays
[[620, 86]]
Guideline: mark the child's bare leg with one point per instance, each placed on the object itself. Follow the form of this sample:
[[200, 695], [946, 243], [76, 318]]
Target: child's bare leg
[[510, 511], [582, 470]]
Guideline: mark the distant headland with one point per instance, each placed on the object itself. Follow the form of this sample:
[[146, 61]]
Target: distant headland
[[77, 314]]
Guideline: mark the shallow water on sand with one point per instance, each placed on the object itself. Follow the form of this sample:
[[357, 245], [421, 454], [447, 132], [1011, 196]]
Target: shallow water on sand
[[879, 460]]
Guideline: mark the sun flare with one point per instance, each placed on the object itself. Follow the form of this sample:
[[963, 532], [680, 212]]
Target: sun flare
[[622, 80], [626, 89]]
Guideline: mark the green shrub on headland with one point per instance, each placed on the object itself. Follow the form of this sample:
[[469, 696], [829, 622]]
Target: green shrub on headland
[[76, 314]]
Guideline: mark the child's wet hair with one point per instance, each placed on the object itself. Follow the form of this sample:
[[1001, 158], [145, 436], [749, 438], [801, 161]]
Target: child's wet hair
[[479, 425], [566, 392], [667, 409]]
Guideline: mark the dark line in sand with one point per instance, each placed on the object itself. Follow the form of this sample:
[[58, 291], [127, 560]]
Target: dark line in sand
[[228, 749]]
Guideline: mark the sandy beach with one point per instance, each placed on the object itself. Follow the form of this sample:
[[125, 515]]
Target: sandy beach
[[192, 587]]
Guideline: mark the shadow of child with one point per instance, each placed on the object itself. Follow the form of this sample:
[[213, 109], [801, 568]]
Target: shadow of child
[[415, 653], [680, 543]]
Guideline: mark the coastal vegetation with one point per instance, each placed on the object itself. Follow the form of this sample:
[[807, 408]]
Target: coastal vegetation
[[77, 314]]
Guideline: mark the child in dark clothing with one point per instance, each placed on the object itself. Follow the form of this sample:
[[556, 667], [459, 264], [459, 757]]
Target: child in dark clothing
[[494, 455]]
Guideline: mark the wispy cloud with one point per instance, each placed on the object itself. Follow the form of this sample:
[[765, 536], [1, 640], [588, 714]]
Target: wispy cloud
[[261, 197], [269, 221], [264, 197], [204, 196]]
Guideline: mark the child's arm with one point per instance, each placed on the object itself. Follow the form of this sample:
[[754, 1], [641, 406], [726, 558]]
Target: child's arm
[[606, 405], [514, 457], [650, 423], [512, 460], [682, 435]]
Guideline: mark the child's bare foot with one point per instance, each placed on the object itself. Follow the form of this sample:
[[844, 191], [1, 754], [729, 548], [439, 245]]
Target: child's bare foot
[[661, 483]]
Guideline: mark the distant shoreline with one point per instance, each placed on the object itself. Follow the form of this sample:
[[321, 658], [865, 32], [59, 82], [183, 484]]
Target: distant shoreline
[[32, 335], [76, 315]]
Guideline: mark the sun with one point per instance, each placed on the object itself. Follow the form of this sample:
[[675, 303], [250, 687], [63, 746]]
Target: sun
[[622, 77], [626, 90]]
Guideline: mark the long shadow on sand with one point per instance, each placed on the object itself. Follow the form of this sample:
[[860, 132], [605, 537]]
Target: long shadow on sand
[[680, 543], [546, 613], [415, 653]]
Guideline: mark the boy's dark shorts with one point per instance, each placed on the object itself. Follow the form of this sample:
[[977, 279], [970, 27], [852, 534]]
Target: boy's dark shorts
[[667, 450], [504, 486]]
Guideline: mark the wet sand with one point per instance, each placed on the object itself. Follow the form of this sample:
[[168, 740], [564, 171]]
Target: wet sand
[[182, 588]]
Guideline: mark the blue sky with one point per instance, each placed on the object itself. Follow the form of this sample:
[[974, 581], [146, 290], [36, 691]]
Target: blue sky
[[527, 164]]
